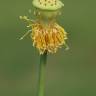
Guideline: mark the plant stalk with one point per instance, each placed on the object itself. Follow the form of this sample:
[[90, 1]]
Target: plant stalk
[[42, 71]]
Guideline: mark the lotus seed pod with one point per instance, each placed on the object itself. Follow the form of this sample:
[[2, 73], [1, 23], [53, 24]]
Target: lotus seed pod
[[48, 4], [47, 9]]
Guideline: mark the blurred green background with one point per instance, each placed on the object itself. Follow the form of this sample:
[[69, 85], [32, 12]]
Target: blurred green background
[[68, 73]]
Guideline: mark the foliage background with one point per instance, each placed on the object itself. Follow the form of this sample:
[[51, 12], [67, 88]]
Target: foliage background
[[69, 73]]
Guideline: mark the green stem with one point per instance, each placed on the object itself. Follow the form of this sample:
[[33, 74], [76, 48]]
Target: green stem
[[41, 82]]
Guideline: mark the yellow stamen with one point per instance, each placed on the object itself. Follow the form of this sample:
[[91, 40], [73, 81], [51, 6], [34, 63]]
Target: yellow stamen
[[48, 37]]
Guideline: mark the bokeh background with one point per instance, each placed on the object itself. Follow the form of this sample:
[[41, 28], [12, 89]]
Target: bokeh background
[[68, 73]]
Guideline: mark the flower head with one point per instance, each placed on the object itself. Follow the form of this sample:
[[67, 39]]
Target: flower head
[[46, 34]]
